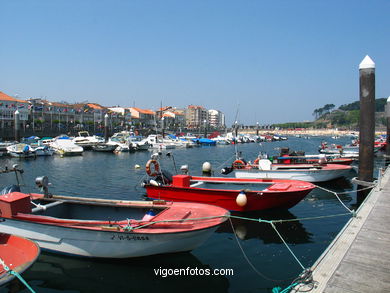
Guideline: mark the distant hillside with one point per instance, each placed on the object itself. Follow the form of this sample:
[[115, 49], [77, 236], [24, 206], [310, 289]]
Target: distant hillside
[[345, 116], [379, 105]]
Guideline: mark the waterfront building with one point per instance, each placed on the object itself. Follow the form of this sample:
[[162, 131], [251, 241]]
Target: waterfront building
[[144, 118], [8, 106], [216, 119], [196, 116], [120, 116], [173, 118]]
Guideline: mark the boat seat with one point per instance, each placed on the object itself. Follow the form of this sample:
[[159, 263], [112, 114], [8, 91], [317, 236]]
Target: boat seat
[[265, 165]]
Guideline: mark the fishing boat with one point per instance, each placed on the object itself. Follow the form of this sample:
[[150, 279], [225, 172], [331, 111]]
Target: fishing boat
[[299, 157], [230, 193], [21, 150], [107, 228], [16, 254], [305, 172], [314, 159]]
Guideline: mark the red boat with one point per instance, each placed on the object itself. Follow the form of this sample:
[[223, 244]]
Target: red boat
[[17, 253], [314, 160], [231, 193]]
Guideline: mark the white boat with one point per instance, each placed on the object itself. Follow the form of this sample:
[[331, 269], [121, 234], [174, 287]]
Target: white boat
[[222, 140], [156, 142], [5, 144], [21, 150], [104, 147], [64, 146], [107, 228], [87, 141], [120, 139], [138, 143], [304, 172], [178, 142], [44, 150]]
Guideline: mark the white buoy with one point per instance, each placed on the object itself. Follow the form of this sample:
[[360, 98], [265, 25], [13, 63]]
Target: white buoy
[[206, 167], [137, 166], [241, 231], [241, 199], [322, 159]]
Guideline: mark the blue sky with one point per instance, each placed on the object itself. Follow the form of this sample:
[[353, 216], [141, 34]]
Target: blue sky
[[274, 61]]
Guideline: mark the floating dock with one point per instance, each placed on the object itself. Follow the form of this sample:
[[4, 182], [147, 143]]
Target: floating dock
[[358, 260]]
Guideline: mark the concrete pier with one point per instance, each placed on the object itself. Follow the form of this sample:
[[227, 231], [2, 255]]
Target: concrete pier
[[358, 260]]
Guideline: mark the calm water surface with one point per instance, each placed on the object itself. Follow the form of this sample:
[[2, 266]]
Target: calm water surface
[[114, 176]]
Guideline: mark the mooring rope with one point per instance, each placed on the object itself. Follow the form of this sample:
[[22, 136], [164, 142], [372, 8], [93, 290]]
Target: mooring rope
[[16, 274], [345, 192], [247, 258], [224, 163], [304, 278]]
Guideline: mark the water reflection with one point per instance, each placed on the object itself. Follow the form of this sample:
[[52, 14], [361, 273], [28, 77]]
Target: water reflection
[[69, 274], [293, 232]]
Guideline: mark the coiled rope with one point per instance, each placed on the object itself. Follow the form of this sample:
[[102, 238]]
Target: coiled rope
[[16, 274]]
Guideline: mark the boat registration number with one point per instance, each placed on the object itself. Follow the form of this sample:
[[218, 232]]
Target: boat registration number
[[129, 237]]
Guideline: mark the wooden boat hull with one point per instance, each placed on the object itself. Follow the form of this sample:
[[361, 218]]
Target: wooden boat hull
[[310, 174], [105, 244], [18, 254], [281, 194], [108, 228]]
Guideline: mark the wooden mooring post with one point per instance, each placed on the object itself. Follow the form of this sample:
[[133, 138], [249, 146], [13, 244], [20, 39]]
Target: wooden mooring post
[[387, 156], [366, 124], [367, 119]]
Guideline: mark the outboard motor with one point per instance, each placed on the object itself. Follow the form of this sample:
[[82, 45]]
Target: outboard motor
[[9, 189], [164, 177]]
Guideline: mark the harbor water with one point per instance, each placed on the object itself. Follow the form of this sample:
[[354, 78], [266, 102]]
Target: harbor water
[[253, 259]]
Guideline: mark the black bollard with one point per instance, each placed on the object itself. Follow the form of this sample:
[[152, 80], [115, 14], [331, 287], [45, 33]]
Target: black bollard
[[17, 126], [367, 119]]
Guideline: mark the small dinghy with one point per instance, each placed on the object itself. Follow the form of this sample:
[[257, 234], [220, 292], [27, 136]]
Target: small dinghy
[[230, 193], [16, 255]]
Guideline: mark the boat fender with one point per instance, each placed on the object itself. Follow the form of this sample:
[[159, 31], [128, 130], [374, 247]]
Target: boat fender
[[241, 199], [154, 182], [137, 166], [226, 170], [156, 168], [206, 167], [238, 164], [26, 149], [143, 183]]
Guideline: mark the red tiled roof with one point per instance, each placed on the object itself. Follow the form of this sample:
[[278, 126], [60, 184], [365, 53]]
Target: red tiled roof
[[5, 97], [142, 111], [95, 106]]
